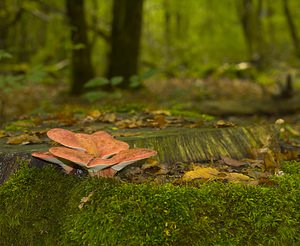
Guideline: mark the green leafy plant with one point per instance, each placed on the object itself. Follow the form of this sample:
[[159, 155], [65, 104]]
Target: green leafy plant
[[9, 83], [136, 81], [99, 83], [5, 55]]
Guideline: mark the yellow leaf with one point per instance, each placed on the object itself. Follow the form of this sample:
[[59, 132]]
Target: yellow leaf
[[2, 134], [23, 139], [237, 177], [201, 173]]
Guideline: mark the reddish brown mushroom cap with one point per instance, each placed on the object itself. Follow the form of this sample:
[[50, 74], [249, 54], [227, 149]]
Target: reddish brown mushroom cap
[[47, 156], [99, 144], [130, 156], [64, 137], [78, 157], [123, 158], [82, 158]]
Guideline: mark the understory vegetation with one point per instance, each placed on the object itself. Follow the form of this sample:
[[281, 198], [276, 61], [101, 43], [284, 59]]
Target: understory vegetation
[[46, 207]]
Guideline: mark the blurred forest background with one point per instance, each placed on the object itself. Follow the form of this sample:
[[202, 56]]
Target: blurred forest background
[[95, 49]]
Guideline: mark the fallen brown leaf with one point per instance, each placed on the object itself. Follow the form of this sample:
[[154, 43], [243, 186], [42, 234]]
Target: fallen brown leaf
[[232, 162], [129, 123], [223, 123], [109, 117]]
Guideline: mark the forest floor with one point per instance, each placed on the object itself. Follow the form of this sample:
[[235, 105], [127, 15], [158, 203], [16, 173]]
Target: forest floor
[[231, 99]]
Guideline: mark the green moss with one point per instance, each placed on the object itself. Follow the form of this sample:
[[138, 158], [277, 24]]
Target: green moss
[[40, 206], [32, 206]]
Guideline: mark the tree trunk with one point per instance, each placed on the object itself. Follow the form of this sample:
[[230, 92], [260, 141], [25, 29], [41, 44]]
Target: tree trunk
[[81, 66], [8, 19], [125, 39], [250, 18], [292, 27]]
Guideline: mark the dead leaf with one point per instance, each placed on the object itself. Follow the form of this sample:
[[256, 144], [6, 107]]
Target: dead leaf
[[237, 177], [109, 117], [223, 123], [2, 134], [161, 112], [159, 121], [94, 113], [85, 199], [129, 123], [23, 139], [233, 163], [201, 173]]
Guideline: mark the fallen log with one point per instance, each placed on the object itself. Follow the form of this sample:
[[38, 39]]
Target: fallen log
[[174, 145]]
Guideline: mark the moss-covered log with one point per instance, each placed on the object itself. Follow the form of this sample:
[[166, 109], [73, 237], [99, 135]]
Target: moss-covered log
[[172, 144]]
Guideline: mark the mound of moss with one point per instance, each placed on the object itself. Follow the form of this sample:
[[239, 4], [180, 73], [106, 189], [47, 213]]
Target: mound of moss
[[46, 207]]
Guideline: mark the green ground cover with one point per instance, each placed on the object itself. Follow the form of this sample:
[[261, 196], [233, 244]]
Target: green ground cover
[[47, 207]]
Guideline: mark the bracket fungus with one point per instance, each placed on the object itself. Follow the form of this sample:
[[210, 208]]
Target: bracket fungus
[[98, 153]]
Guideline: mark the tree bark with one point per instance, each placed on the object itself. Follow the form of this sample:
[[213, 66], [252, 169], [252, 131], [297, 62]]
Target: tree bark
[[125, 39], [81, 66], [7, 21], [292, 27], [249, 15]]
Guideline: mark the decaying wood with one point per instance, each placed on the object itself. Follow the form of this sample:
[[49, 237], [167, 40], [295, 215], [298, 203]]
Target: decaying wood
[[172, 144]]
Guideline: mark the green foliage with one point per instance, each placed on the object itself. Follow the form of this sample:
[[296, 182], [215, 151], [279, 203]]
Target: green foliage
[[11, 82], [117, 80], [5, 55], [40, 206], [99, 83], [136, 81]]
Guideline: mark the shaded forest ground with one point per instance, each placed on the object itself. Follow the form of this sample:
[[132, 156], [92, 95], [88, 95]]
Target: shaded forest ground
[[233, 99]]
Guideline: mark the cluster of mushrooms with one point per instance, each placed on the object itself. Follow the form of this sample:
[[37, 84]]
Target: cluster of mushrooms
[[98, 153]]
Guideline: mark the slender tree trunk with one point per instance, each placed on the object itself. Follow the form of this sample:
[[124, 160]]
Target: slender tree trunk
[[270, 24], [245, 17], [250, 17], [81, 66], [7, 21], [167, 30], [292, 27], [125, 39]]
